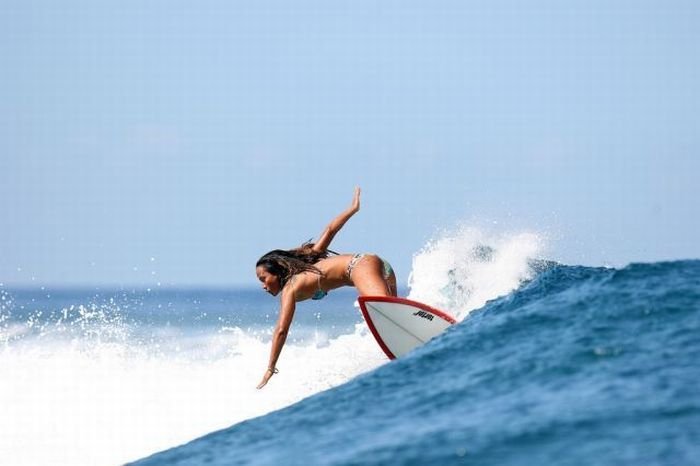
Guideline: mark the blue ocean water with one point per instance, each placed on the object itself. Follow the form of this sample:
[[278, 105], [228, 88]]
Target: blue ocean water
[[548, 364], [579, 365]]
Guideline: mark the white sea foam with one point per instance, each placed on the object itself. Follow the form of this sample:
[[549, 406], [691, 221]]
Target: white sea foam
[[460, 270], [84, 387], [65, 403]]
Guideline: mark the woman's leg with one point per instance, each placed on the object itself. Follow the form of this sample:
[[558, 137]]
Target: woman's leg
[[368, 277]]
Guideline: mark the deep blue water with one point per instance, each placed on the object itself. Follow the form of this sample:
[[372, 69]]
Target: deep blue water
[[579, 365]]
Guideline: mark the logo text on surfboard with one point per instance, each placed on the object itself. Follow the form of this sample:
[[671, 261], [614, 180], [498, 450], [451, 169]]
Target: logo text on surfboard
[[424, 315]]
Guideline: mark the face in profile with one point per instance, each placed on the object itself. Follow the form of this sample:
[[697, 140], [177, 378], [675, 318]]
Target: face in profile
[[270, 282]]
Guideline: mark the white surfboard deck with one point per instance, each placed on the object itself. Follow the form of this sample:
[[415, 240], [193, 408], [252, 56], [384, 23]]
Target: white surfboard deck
[[400, 325]]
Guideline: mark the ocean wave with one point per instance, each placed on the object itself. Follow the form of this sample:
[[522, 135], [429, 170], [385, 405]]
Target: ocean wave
[[579, 364]]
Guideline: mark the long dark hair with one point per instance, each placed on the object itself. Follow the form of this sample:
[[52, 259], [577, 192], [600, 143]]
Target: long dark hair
[[285, 263]]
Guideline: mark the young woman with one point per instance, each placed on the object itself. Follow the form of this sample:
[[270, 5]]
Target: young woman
[[311, 271]]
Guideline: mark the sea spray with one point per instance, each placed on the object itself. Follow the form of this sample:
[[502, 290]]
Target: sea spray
[[100, 381], [460, 270], [104, 377]]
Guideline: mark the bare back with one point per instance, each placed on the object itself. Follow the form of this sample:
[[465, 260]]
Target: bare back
[[367, 276]]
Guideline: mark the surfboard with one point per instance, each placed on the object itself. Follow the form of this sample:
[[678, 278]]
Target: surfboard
[[400, 325]]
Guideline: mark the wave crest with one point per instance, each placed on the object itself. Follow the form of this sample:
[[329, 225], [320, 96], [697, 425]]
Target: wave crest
[[461, 270]]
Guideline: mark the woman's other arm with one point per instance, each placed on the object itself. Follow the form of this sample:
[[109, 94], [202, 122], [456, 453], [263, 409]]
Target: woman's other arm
[[337, 223], [279, 336]]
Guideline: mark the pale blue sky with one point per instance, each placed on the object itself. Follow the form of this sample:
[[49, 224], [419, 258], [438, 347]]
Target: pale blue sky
[[174, 142]]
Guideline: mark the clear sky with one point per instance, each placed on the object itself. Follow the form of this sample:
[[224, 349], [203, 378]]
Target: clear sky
[[174, 142]]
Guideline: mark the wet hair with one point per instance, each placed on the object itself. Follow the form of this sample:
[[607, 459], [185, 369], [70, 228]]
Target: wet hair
[[285, 263]]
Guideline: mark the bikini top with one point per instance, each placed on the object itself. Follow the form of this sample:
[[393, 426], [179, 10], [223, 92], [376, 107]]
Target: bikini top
[[320, 293]]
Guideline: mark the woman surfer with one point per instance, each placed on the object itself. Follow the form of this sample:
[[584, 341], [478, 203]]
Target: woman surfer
[[310, 271]]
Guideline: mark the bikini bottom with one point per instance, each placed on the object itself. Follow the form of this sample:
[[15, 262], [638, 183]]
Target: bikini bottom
[[388, 271]]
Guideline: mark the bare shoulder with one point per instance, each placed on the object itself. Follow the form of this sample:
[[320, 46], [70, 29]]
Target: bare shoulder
[[300, 285]]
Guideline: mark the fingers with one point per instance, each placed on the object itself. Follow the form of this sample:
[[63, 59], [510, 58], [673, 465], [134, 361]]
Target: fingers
[[356, 198], [264, 380]]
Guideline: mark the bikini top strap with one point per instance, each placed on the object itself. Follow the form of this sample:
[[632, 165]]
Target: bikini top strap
[[319, 282]]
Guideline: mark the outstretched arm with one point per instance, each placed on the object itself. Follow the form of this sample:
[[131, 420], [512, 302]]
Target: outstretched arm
[[337, 223], [279, 336]]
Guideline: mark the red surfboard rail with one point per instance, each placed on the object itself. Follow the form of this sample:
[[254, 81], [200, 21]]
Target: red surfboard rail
[[390, 299]]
